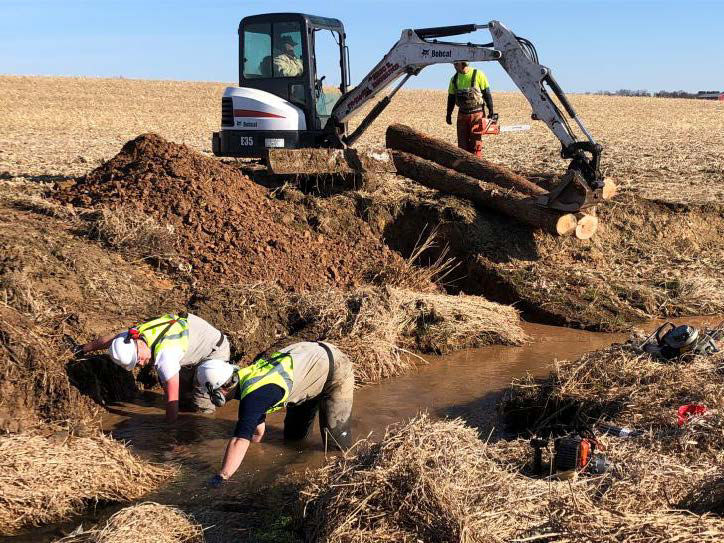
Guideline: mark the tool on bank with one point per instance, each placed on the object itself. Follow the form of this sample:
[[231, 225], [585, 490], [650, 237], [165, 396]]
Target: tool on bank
[[573, 453]]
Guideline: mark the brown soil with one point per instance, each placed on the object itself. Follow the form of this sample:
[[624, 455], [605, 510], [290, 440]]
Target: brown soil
[[230, 229], [648, 260], [56, 288]]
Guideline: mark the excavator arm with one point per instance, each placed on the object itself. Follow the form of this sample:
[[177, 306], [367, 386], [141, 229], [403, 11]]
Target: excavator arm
[[582, 184]]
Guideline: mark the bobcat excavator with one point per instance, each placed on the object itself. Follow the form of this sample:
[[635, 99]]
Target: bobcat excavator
[[281, 101]]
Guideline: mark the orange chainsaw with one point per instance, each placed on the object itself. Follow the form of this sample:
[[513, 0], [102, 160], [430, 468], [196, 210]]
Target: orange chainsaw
[[490, 127]]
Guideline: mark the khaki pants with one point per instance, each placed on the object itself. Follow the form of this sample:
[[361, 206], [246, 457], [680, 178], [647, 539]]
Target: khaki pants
[[470, 132], [194, 394], [334, 406]]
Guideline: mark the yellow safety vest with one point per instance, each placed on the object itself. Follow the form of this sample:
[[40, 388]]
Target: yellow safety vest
[[277, 370], [169, 330]]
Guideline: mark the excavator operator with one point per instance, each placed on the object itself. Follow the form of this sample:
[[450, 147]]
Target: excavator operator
[[468, 88]]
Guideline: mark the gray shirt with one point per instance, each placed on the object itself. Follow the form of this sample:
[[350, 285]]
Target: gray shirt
[[311, 366], [202, 340]]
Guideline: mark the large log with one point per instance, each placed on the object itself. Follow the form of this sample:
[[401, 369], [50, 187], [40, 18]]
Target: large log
[[409, 140], [508, 202]]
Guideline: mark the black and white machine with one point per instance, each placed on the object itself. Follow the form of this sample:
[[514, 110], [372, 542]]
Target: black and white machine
[[282, 102]]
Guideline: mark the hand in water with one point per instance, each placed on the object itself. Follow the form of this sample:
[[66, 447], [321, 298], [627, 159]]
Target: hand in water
[[216, 481]]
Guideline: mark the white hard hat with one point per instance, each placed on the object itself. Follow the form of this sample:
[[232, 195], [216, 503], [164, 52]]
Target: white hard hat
[[214, 373], [123, 351]]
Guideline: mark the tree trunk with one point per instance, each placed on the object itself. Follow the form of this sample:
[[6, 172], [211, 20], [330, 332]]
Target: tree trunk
[[404, 138], [508, 202]]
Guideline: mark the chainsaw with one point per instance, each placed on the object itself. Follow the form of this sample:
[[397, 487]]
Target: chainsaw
[[490, 127], [572, 453]]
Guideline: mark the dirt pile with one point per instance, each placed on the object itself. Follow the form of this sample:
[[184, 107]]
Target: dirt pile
[[228, 228], [143, 523], [409, 488]]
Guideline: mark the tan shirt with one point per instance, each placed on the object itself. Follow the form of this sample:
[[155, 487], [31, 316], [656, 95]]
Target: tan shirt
[[311, 366], [288, 66], [202, 340]]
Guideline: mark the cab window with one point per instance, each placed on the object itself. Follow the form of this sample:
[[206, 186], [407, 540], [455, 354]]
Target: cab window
[[273, 50]]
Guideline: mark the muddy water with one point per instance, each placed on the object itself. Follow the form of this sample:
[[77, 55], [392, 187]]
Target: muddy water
[[465, 384]]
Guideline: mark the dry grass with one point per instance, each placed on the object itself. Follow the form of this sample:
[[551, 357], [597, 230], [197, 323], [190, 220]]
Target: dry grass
[[376, 326], [146, 522], [135, 234], [437, 481], [48, 478], [661, 148], [627, 388]]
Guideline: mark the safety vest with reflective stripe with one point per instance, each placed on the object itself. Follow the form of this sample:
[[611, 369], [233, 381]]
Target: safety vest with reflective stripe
[[163, 332], [277, 370]]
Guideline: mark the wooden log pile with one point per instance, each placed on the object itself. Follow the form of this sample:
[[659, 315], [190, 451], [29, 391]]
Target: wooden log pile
[[442, 166]]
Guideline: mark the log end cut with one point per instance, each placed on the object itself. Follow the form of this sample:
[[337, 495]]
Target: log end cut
[[566, 224], [586, 227], [609, 189]]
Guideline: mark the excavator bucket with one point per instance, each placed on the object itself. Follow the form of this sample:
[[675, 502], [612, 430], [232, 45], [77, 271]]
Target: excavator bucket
[[311, 162], [571, 194]]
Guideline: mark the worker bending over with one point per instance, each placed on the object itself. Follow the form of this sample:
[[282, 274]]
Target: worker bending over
[[303, 377], [468, 88], [168, 342]]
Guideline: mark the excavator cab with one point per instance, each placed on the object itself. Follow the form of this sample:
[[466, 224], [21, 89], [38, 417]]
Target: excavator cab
[[286, 91]]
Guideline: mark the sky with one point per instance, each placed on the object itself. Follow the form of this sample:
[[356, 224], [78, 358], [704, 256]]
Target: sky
[[589, 45]]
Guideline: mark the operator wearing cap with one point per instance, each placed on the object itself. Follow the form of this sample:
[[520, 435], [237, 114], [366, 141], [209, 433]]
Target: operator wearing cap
[[304, 377], [286, 63], [468, 88], [168, 342]]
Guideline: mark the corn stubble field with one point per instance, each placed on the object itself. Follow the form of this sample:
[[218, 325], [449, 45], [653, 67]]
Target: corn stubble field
[[661, 148], [73, 270]]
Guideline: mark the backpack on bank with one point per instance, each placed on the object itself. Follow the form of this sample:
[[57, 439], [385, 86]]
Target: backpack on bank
[[468, 100]]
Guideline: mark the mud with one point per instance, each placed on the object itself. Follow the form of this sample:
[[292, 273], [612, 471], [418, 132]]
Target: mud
[[228, 228]]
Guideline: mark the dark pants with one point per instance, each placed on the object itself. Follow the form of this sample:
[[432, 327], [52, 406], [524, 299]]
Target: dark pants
[[470, 132]]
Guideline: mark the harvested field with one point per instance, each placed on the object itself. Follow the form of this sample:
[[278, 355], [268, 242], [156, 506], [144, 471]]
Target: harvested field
[[408, 488], [47, 478], [660, 148], [146, 522]]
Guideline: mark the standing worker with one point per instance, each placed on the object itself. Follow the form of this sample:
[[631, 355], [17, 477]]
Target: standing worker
[[304, 377], [168, 342], [468, 88]]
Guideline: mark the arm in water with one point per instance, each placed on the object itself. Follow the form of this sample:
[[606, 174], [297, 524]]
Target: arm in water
[[236, 450], [172, 393]]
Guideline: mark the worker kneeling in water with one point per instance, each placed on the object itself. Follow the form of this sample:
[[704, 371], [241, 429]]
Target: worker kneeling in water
[[168, 342], [303, 377], [467, 90]]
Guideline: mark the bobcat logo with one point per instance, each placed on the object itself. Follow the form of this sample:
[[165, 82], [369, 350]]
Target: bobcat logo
[[425, 52]]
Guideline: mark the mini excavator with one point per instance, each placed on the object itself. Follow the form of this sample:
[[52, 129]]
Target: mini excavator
[[283, 105]]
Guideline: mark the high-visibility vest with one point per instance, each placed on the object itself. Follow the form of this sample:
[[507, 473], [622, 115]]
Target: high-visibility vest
[[277, 370], [169, 330]]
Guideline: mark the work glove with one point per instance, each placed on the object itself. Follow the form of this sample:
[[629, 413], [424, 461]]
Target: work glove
[[216, 481], [448, 119]]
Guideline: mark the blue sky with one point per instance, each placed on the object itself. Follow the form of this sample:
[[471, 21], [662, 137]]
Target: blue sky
[[589, 44]]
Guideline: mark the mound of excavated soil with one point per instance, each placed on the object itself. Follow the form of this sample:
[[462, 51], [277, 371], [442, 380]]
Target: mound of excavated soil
[[229, 228]]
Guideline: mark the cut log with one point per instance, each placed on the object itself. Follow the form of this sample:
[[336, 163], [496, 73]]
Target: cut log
[[409, 140], [508, 202], [587, 226]]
